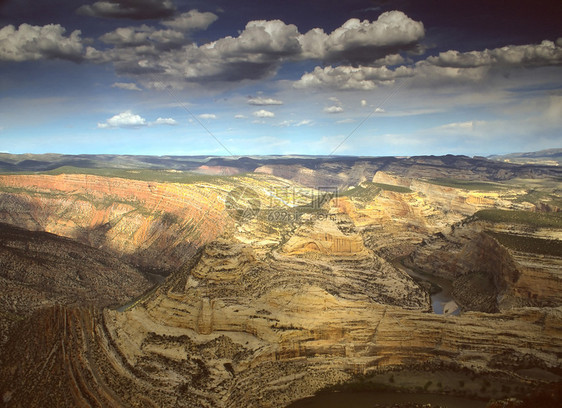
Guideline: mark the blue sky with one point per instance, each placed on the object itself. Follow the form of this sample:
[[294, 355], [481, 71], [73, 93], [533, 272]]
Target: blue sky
[[378, 77]]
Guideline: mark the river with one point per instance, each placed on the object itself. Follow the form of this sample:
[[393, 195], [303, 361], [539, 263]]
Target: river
[[154, 278], [442, 301]]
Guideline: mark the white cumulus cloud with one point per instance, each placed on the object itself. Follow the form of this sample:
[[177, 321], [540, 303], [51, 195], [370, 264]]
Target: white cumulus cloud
[[262, 113], [333, 109], [364, 41], [207, 116], [129, 120], [146, 39], [191, 21], [287, 123], [543, 54], [447, 67], [348, 120], [125, 119], [256, 53], [136, 10], [348, 77], [165, 121]]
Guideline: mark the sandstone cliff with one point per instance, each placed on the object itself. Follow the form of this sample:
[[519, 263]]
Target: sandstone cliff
[[156, 226], [490, 272]]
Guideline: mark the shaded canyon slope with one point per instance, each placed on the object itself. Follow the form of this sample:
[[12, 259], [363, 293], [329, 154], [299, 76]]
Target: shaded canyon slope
[[263, 307], [38, 270]]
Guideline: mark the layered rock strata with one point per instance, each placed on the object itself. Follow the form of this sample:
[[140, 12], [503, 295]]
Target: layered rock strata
[[156, 226], [261, 327], [488, 272]]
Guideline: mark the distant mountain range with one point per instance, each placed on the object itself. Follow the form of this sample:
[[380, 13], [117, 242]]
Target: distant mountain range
[[329, 171], [226, 164], [551, 157], [52, 161]]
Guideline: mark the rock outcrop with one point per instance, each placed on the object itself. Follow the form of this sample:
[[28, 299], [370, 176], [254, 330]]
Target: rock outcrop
[[154, 225], [264, 353], [324, 238]]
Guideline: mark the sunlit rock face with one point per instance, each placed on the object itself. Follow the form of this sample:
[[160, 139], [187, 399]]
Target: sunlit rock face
[[395, 213], [324, 237]]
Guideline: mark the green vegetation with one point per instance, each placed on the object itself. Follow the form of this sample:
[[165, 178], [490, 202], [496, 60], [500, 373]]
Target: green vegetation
[[467, 184], [390, 187], [542, 184], [170, 218], [163, 176], [367, 191], [31, 192], [534, 219], [362, 193], [537, 196], [317, 202], [528, 244], [98, 202]]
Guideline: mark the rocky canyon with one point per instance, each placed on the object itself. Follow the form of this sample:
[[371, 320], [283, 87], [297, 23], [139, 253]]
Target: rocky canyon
[[279, 278]]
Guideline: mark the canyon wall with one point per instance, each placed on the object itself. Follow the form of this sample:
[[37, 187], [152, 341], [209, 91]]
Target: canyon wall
[[156, 226]]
